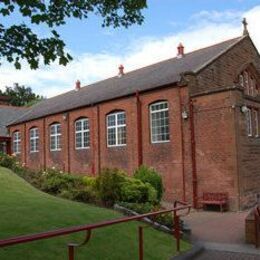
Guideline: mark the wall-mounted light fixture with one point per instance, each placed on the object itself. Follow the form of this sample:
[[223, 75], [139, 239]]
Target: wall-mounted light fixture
[[184, 114], [244, 109], [64, 116]]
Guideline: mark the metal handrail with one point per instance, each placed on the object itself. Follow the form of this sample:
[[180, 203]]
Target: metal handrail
[[89, 227]]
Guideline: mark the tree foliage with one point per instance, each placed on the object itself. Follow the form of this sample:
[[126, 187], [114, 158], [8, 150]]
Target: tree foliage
[[21, 95], [18, 41]]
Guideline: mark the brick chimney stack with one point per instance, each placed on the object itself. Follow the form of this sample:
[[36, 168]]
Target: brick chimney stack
[[77, 86], [121, 71], [180, 49]]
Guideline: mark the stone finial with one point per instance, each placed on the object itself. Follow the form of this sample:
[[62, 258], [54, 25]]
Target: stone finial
[[180, 52], [121, 71], [245, 24]]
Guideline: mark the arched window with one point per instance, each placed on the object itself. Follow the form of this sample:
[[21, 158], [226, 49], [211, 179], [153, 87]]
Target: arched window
[[82, 135], [55, 137], [116, 129], [17, 142], [241, 80], [159, 122], [248, 81], [34, 140]]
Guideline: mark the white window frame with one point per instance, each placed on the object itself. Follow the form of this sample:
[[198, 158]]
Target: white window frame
[[116, 127], [151, 121], [81, 132], [34, 140], [246, 82], [17, 142], [249, 122], [256, 122], [56, 135]]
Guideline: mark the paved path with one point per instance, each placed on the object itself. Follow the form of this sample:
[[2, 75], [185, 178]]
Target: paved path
[[222, 235], [221, 255], [227, 227]]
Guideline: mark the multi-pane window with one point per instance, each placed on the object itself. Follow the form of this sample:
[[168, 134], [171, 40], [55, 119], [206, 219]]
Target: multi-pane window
[[34, 140], [82, 138], [55, 137], [248, 82], [256, 122], [159, 122], [116, 129], [252, 122], [249, 122], [17, 142]]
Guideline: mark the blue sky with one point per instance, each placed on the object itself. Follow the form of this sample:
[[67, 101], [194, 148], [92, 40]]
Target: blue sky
[[98, 51]]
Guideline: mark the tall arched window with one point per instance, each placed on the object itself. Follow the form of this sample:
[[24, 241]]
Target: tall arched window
[[82, 135], [248, 81], [159, 122], [34, 140], [17, 142], [116, 129], [55, 137]]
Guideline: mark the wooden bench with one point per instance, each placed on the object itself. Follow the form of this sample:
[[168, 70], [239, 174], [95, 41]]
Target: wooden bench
[[215, 198]]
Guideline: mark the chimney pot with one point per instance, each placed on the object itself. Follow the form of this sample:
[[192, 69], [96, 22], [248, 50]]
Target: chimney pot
[[180, 51], [77, 86], [121, 71]]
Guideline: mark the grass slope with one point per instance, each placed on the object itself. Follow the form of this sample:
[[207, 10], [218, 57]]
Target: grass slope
[[25, 210]]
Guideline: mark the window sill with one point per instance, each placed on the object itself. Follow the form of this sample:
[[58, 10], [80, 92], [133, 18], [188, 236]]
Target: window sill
[[82, 148], [161, 142], [116, 146], [58, 150]]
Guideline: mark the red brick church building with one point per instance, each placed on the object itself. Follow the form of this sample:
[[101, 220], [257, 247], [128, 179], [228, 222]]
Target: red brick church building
[[194, 118]]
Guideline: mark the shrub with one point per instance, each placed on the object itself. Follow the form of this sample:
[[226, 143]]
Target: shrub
[[54, 181], [89, 181], [7, 161], [108, 185], [149, 175], [86, 195], [134, 190]]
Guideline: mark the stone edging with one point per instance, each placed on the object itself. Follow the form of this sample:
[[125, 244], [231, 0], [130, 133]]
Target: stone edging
[[193, 252], [156, 225]]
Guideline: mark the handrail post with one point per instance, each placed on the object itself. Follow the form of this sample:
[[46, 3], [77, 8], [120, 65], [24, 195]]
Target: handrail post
[[176, 220], [71, 251], [141, 243]]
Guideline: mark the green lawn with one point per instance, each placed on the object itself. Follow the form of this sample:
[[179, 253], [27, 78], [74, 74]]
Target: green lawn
[[25, 210]]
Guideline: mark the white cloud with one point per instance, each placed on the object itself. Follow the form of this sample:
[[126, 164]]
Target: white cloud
[[205, 28]]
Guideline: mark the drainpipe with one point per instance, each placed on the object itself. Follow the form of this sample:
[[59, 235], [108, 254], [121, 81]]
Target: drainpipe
[[25, 145], [44, 143], [139, 129], [68, 140], [182, 147], [93, 145], [193, 156], [98, 138]]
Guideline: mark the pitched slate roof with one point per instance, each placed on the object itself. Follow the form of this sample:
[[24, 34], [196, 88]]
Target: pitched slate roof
[[150, 77], [7, 115]]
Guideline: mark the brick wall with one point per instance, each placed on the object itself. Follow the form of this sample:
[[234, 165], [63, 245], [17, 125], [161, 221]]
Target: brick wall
[[226, 159], [165, 157]]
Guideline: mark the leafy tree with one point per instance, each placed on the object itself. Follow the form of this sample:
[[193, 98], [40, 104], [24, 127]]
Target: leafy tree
[[21, 95], [18, 41]]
